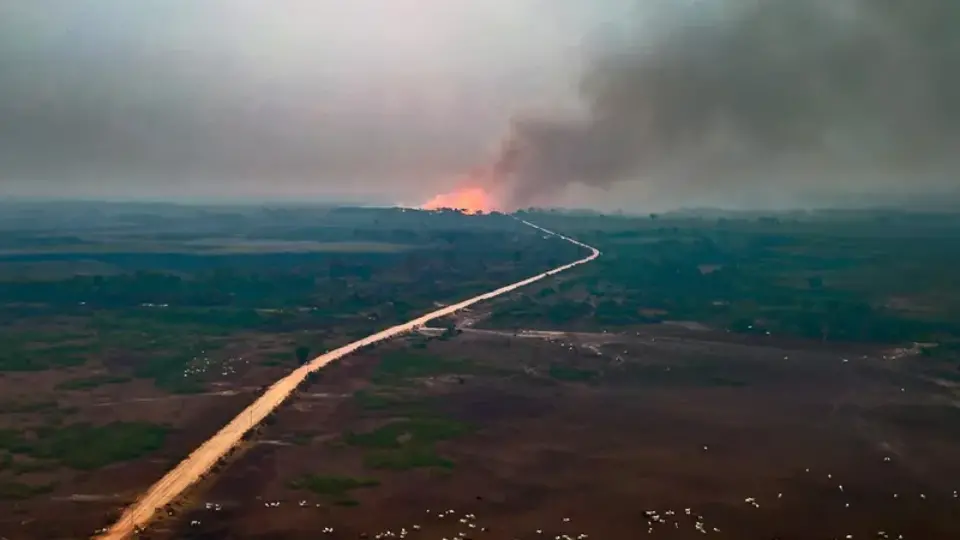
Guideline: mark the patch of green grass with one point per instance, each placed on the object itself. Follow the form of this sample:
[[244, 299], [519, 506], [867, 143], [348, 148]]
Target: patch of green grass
[[414, 432], [570, 374], [407, 444], [167, 373], [86, 383], [397, 366], [42, 351], [334, 487], [84, 446], [406, 458], [37, 360]]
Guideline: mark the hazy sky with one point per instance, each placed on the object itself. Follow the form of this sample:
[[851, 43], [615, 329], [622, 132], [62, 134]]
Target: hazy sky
[[312, 97], [737, 101]]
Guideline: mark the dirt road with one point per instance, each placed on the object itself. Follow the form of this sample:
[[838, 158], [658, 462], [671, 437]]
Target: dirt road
[[206, 455]]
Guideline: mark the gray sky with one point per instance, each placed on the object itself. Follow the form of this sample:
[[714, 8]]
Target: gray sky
[[293, 97], [683, 102], [760, 103]]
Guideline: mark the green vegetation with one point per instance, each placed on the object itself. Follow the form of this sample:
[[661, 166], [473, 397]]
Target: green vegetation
[[224, 290], [167, 373], [303, 354], [405, 459], [19, 353], [333, 488], [407, 444], [84, 446], [397, 366], [86, 383], [158, 282], [832, 276]]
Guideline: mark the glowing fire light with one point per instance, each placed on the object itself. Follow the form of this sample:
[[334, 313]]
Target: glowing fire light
[[469, 200]]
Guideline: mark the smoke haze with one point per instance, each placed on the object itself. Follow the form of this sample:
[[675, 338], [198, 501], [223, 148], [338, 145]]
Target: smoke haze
[[760, 101], [622, 103], [177, 98]]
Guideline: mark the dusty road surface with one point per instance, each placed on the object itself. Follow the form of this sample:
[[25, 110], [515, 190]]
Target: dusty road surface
[[206, 455]]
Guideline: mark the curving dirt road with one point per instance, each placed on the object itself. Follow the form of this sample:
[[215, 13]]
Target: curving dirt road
[[206, 455]]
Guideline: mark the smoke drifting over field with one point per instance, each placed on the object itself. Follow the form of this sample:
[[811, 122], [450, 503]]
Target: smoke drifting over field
[[718, 99], [664, 102]]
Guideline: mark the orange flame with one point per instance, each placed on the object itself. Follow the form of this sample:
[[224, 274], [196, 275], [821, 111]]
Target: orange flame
[[467, 200]]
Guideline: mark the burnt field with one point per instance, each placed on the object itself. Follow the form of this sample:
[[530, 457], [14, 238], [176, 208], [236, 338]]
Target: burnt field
[[659, 432], [130, 333], [790, 376]]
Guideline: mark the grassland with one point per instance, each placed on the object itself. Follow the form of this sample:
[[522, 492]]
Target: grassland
[[400, 367], [129, 333], [857, 276], [684, 371], [334, 489], [84, 446]]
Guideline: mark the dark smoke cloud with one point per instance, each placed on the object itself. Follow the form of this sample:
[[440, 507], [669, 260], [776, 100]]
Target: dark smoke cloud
[[787, 95]]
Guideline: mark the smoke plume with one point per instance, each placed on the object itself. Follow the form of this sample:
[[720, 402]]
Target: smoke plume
[[735, 95]]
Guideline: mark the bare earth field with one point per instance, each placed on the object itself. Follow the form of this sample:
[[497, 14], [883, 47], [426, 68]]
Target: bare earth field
[[83, 495], [663, 433]]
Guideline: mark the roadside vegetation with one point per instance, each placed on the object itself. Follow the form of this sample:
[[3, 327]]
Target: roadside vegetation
[[85, 446], [833, 276], [160, 299], [407, 444], [401, 366], [403, 459], [172, 296], [335, 489], [23, 353]]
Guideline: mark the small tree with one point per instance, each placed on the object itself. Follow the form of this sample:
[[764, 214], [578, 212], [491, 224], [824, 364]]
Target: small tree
[[303, 354]]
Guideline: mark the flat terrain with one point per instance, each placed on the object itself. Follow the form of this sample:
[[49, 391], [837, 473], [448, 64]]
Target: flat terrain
[[793, 376], [128, 336], [608, 435]]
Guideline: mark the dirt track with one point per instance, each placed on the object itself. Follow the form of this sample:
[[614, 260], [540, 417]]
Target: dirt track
[[206, 455]]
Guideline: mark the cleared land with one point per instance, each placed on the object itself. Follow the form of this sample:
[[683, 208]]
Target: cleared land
[[609, 435], [200, 461], [821, 341], [110, 378]]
